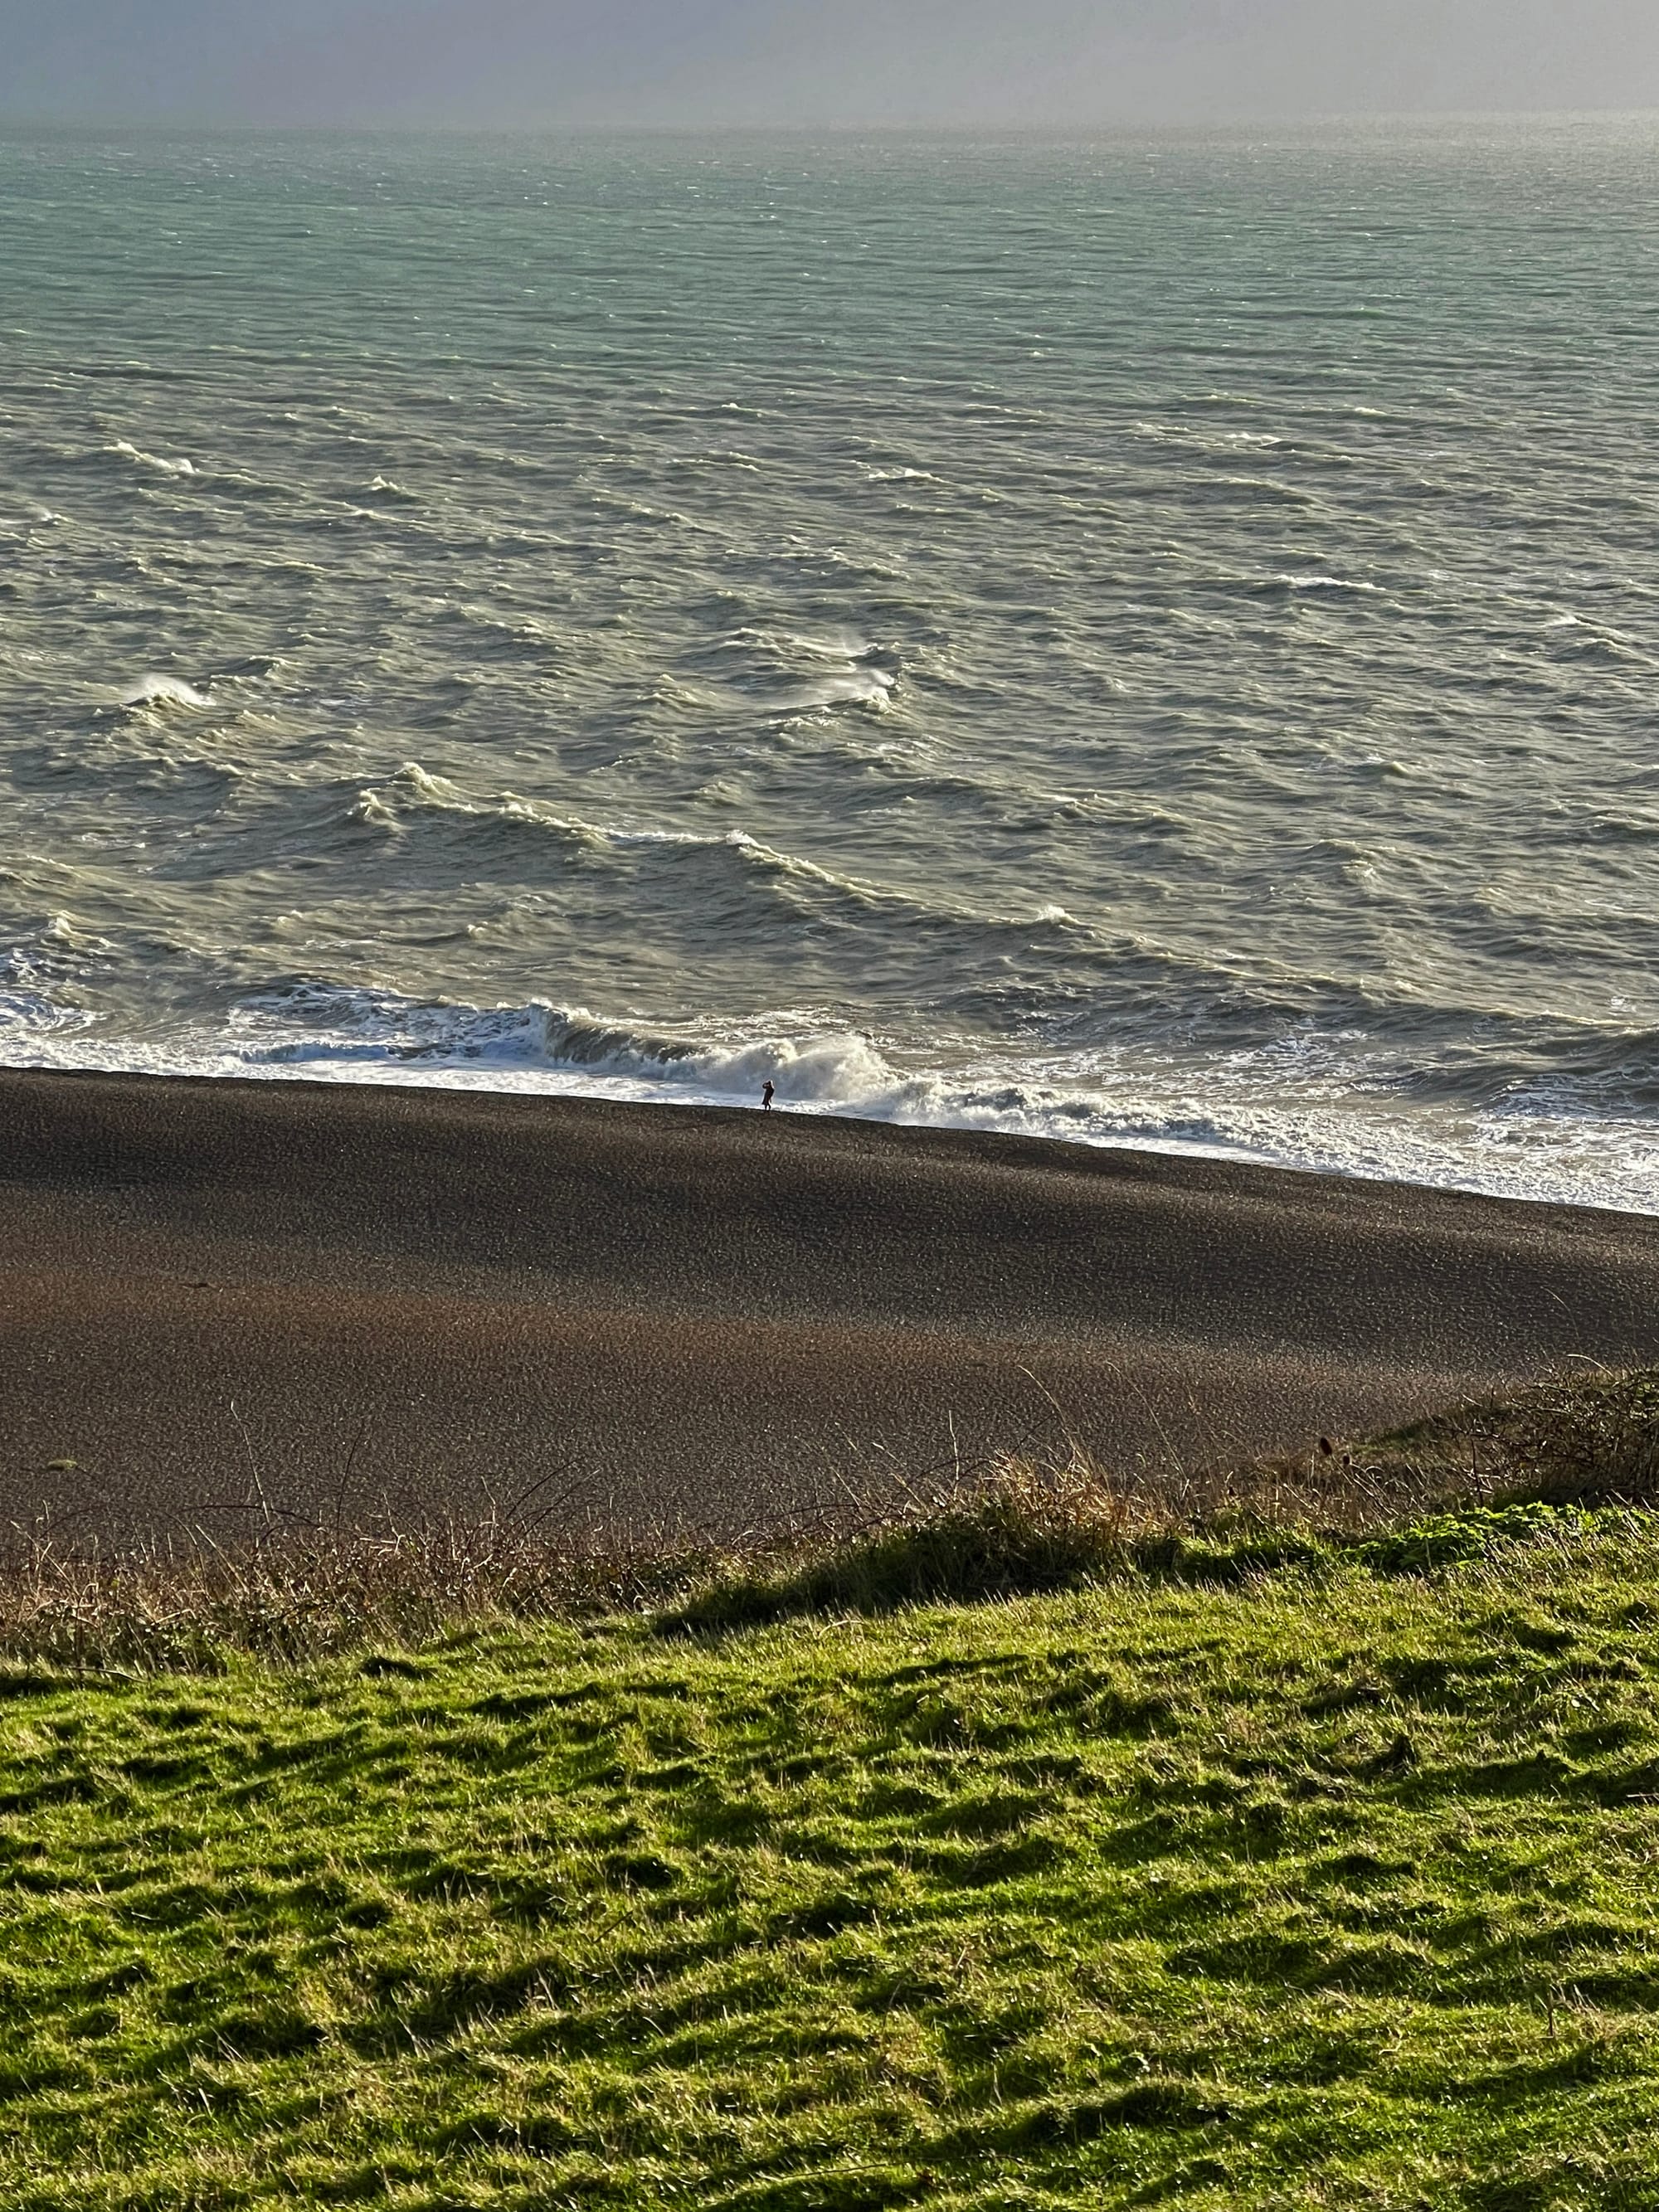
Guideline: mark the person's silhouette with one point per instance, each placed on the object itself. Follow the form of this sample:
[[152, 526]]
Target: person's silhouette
[[767, 1096]]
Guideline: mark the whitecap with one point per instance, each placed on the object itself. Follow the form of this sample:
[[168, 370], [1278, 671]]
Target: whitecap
[[860, 686], [177, 467], [846, 646], [376, 1033], [65, 935], [370, 806], [415, 791], [164, 691], [436, 788]]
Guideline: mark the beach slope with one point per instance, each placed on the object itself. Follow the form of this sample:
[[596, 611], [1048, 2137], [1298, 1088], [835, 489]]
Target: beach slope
[[226, 1303]]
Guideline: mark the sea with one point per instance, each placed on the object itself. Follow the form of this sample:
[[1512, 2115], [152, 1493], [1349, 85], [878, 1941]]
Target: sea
[[1147, 641]]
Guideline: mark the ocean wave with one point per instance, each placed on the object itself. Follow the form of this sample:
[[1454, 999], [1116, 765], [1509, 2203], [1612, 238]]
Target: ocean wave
[[860, 673], [163, 691], [27, 1015], [794, 874], [486, 827], [126, 451], [33, 1005], [346, 1027], [1566, 1074], [415, 793], [1544, 1138], [843, 1072], [1085, 785], [863, 687]]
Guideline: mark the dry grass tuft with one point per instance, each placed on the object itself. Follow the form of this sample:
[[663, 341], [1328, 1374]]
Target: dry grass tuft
[[295, 1595], [1019, 1526], [1587, 1440]]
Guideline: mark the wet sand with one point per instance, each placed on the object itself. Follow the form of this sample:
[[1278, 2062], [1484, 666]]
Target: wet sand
[[222, 1303]]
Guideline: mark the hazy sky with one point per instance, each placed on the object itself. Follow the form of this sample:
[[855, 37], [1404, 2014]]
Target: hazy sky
[[814, 62]]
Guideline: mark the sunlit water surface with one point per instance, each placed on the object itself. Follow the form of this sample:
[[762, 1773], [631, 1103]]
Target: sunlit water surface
[[1142, 642]]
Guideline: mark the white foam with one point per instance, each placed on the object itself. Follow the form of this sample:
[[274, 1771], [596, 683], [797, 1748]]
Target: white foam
[[128, 452], [164, 691], [30, 1013], [1289, 1106], [370, 806], [415, 790], [64, 933], [862, 687], [857, 677]]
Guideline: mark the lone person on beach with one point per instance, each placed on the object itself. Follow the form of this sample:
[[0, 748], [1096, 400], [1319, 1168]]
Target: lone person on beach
[[767, 1096]]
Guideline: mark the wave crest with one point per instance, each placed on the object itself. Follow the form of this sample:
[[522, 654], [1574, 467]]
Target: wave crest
[[163, 691], [178, 466]]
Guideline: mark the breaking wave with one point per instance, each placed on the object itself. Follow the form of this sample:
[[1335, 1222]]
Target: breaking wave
[[163, 691], [127, 451], [1566, 1138]]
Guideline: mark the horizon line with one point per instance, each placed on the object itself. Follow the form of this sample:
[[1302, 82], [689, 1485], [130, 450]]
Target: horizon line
[[1078, 127]]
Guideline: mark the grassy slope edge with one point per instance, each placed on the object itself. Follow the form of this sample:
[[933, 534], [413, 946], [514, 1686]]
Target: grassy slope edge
[[1333, 1888]]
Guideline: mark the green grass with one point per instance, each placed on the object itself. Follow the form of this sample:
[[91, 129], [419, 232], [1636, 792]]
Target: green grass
[[1338, 1886]]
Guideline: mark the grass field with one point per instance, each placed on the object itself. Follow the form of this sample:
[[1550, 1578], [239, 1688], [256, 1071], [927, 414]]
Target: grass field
[[1339, 1885]]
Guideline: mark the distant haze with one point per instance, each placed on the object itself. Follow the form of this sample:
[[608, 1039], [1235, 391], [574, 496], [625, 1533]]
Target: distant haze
[[816, 63]]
